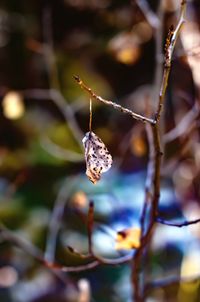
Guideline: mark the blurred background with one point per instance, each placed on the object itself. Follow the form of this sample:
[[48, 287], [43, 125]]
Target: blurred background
[[117, 48]]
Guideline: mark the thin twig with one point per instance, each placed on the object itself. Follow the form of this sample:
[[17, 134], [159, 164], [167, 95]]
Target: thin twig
[[183, 125], [65, 109], [137, 258], [150, 16], [92, 254], [68, 113], [7, 235], [177, 224], [54, 83], [37, 254], [56, 218], [81, 268], [59, 152], [29, 248], [112, 104], [163, 283], [170, 44]]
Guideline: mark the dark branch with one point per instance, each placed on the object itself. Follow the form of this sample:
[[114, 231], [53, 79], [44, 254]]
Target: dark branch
[[178, 224], [112, 104]]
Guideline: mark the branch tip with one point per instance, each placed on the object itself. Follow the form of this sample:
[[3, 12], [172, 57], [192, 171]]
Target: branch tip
[[91, 204], [70, 249], [77, 78]]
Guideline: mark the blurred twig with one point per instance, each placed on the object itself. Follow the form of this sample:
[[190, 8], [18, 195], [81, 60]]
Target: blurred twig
[[36, 253], [59, 152], [137, 295], [60, 102], [29, 248], [7, 235], [56, 219], [179, 224], [150, 16], [55, 89], [183, 126], [163, 283]]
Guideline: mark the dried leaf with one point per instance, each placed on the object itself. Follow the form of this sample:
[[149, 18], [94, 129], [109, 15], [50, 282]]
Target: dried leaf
[[97, 157], [128, 239]]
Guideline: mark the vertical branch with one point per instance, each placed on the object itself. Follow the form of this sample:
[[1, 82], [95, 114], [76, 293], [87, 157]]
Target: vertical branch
[[159, 58], [90, 223], [137, 258], [149, 177], [169, 47], [159, 52], [155, 128]]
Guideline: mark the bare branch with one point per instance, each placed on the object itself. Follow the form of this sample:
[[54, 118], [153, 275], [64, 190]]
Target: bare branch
[[149, 177], [137, 258], [148, 13], [170, 44], [178, 224], [112, 104], [54, 267], [81, 268], [29, 248], [55, 89], [90, 225], [172, 37]]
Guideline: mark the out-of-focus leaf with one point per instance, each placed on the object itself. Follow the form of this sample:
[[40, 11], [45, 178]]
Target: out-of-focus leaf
[[128, 239]]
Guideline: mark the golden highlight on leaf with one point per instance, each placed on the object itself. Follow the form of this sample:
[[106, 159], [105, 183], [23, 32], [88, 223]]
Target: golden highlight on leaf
[[128, 55], [79, 200], [138, 146], [128, 239]]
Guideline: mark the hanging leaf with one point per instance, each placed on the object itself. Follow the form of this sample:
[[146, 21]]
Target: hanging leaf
[[97, 157]]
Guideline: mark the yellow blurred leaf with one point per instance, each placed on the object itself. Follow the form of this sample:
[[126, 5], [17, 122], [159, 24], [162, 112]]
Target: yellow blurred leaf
[[125, 48], [79, 200], [128, 55], [138, 146], [13, 106], [128, 239]]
